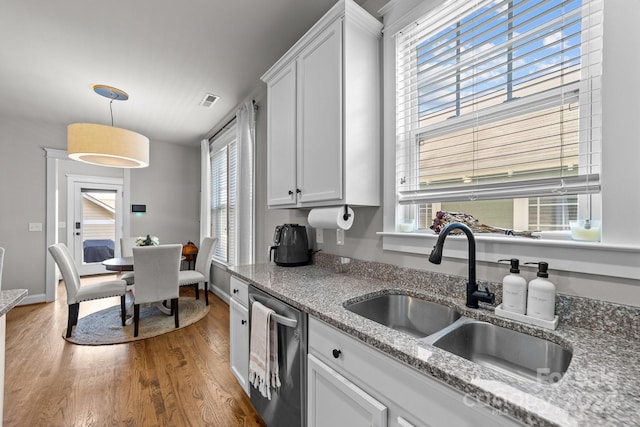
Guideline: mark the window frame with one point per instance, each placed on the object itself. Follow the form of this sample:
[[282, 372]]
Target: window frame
[[617, 255], [412, 131], [225, 140]]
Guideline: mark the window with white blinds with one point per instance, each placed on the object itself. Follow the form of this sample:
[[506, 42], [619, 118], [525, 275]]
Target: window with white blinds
[[223, 191], [499, 99]]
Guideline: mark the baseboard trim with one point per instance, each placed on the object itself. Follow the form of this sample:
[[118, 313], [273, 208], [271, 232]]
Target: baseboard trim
[[33, 299], [221, 294]]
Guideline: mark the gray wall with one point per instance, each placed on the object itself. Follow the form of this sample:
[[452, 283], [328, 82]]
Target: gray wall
[[22, 200], [170, 187]]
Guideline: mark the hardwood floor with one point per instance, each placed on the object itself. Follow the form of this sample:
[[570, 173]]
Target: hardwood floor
[[178, 379]]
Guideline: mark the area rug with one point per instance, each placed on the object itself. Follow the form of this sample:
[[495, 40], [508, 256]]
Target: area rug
[[105, 326]]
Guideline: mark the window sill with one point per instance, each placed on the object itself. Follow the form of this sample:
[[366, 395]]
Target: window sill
[[220, 264], [564, 255]]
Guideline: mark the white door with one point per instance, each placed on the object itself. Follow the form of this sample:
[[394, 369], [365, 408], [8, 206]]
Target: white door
[[335, 401], [94, 212]]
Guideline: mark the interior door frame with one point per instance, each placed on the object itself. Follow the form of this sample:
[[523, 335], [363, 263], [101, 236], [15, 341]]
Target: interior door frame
[[75, 184]]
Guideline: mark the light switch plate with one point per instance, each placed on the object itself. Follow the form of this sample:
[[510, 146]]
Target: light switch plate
[[35, 226], [339, 236], [319, 236]]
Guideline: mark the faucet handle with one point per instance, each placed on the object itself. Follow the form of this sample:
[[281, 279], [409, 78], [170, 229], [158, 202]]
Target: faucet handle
[[489, 296]]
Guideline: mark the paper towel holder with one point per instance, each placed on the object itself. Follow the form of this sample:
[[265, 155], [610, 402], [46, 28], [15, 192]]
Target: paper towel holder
[[346, 213]]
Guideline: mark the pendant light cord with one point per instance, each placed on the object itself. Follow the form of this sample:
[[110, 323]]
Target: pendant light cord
[[111, 110]]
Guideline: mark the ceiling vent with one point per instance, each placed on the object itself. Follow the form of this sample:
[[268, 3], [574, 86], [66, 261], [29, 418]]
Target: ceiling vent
[[209, 99]]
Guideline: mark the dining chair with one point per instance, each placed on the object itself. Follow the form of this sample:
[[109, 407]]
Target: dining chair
[[126, 250], [202, 268], [157, 269], [76, 293]]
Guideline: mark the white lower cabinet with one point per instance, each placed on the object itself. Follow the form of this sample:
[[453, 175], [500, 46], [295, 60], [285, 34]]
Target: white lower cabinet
[[239, 332], [333, 400], [341, 367]]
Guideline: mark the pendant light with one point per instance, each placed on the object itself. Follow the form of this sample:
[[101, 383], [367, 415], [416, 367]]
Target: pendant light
[[107, 145]]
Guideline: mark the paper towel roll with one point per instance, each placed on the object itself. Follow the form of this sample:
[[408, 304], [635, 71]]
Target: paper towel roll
[[330, 218]]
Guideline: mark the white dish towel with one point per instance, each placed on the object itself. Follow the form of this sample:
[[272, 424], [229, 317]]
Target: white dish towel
[[263, 356]]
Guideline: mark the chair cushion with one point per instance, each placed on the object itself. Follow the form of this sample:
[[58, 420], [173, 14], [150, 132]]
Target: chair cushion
[[129, 277], [189, 277], [110, 288]]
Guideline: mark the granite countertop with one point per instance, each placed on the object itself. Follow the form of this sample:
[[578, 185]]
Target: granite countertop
[[10, 298], [601, 386]]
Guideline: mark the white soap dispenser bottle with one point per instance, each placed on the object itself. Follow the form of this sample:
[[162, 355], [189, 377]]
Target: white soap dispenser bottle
[[514, 289], [541, 299]]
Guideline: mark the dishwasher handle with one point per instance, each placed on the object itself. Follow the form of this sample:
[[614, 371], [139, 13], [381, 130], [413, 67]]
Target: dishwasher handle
[[278, 318]]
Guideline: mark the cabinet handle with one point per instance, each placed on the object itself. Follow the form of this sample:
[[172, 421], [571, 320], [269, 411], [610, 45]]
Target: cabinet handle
[[244, 322], [290, 193], [336, 353], [298, 190], [235, 291]]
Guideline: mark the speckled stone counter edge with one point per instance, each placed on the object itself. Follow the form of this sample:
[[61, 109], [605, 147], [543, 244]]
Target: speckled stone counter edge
[[10, 298], [601, 316], [600, 387]]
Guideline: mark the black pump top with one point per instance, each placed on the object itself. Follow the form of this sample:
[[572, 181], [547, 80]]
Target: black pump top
[[542, 268], [515, 264]]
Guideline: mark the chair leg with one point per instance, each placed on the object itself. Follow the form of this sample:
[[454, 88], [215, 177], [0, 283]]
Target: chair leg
[[206, 292], [174, 308], [136, 319], [197, 285], [76, 312], [72, 317], [123, 309]]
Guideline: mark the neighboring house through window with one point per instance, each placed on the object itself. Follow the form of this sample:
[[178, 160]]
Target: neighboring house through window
[[498, 113]]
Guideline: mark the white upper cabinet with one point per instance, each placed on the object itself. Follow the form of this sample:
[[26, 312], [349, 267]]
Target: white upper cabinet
[[324, 114], [281, 137]]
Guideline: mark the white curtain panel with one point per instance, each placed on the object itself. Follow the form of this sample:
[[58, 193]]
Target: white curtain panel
[[205, 190], [245, 130]]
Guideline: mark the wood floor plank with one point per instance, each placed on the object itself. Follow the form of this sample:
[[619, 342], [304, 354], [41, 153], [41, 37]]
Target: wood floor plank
[[178, 379]]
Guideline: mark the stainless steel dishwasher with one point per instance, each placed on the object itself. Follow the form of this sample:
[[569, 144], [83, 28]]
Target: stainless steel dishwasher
[[288, 404]]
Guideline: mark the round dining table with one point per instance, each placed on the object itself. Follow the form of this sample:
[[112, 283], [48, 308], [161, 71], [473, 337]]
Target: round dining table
[[119, 264]]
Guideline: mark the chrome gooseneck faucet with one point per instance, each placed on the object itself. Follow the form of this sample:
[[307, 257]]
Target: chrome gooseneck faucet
[[473, 294]]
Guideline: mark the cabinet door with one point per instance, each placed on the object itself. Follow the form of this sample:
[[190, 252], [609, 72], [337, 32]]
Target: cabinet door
[[281, 152], [239, 334], [335, 401], [320, 163]]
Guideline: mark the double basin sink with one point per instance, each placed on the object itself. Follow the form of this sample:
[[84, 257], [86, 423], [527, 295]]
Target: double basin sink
[[502, 349]]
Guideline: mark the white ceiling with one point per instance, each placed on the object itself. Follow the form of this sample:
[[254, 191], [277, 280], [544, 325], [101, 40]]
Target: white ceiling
[[166, 54]]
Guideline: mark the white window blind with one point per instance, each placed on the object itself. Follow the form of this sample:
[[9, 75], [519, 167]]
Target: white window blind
[[499, 99], [223, 183]]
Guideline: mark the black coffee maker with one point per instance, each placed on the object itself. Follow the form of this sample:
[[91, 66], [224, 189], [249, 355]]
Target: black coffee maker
[[290, 246]]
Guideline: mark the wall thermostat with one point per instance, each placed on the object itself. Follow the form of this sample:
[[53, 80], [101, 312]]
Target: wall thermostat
[[138, 208]]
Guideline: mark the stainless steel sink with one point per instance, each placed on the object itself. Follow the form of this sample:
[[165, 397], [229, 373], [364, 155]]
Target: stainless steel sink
[[507, 351], [411, 315]]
